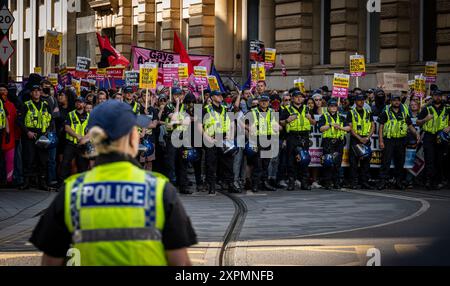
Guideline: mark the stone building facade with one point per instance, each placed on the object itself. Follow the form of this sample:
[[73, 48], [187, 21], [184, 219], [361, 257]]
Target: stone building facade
[[314, 37]]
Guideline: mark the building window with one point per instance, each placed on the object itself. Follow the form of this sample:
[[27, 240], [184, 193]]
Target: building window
[[158, 40], [428, 22], [111, 34], [40, 58], [26, 57], [83, 46], [325, 32], [373, 38], [185, 33], [135, 35]]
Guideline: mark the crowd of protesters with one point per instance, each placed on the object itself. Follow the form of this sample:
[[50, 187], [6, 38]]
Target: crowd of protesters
[[44, 137]]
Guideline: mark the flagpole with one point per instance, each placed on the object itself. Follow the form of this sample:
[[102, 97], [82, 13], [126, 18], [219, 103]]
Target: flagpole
[[146, 100], [203, 95]]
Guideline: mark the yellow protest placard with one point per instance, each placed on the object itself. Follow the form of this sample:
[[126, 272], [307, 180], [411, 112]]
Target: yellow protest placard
[[254, 73], [183, 71], [420, 85], [262, 72], [77, 85], [213, 83], [300, 84], [200, 71], [53, 78], [341, 80], [357, 65], [270, 58], [38, 70], [148, 76], [53, 42], [411, 84], [431, 71]]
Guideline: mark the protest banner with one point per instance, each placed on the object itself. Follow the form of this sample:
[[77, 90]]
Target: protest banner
[[63, 75], [170, 74], [213, 83], [38, 70], [53, 42], [257, 51], [132, 79], [300, 84], [411, 84], [420, 85], [270, 58], [101, 71], [142, 55], [83, 64], [254, 74], [393, 81], [148, 75], [341, 84], [431, 70], [183, 74], [357, 65], [53, 78]]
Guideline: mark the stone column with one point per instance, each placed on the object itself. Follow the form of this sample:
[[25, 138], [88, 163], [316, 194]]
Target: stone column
[[201, 27], [224, 40], [394, 32], [443, 30], [293, 35], [124, 28], [146, 23], [171, 23], [344, 31], [267, 22]]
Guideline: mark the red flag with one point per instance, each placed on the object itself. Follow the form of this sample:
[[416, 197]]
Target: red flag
[[179, 48], [110, 56]]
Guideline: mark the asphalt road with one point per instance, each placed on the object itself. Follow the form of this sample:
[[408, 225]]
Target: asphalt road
[[318, 227]]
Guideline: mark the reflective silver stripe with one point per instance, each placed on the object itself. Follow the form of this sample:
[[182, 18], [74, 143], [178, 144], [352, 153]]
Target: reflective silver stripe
[[116, 234]]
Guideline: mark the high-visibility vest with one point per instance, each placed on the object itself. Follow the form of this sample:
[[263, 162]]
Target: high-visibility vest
[[180, 118], [2, 115], [136, 108], [37, 119], [301, 123], [77, 126], [403, 108], [215, 122], [439, 121], [394, 128], [262, 126], [361, 125], [115, 214], [333, 133]]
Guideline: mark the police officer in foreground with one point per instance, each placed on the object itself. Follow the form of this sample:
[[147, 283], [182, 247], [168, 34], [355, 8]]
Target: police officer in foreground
[[362, 127], [116, 214], [434, 119], [297, 121], [334, 128], [393, 132], [262, 127]]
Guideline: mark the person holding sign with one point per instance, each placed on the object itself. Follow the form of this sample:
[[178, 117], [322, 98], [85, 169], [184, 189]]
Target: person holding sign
[[216, 131], [393, 132], [334, 128], [362, 127], [297, 121], [434, 119]]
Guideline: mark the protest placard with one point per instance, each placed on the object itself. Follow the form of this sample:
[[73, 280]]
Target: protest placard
[[411, 84], [420, 85], [357, 65], [261, 72], [341, 84], [431, 70], [38, 70], [77, 85], [300, 84], [257, 51], [83, 64], [53, 78], [132, 78], [183, 74], [393, 81], [270, 58], [53, 42], [213, 83], [170, 74], [201, 76], [148, 75]]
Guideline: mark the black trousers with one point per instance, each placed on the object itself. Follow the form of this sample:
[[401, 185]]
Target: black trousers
[[394, 150], [171, 159], [330, 146], [294, 170], [260, 168], [180, 168], [71, 152], [356, 165], [283, 165], [35, 159], [213, 157], [434, 158], [198, 167]]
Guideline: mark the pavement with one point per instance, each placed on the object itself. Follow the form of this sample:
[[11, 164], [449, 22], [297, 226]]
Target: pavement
[[319, 227]]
